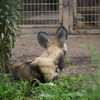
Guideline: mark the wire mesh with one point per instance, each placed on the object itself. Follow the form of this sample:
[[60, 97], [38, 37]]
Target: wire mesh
[[40, 12], [87, 14]]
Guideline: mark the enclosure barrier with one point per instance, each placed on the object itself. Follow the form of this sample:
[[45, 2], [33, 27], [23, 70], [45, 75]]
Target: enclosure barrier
[[39, 13], [78, 16], [86, 14]]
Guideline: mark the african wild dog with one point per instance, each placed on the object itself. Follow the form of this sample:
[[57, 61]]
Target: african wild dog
[[48, 65]]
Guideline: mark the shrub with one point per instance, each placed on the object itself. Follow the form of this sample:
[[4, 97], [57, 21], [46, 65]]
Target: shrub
[[9, 19], [12, 90]]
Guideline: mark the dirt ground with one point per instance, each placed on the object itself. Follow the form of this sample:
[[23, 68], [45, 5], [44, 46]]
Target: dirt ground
[[27, 48]]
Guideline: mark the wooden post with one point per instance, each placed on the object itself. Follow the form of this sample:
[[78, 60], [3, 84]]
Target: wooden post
[[61, 12], [66, 14]]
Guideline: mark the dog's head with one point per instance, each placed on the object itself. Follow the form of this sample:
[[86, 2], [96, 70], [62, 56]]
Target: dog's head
[[56, 49]]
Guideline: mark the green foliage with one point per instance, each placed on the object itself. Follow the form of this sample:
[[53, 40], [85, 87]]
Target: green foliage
[[67, 87], [67, 62], [95, 57], [9, 19], [92, 81], [13, 90]]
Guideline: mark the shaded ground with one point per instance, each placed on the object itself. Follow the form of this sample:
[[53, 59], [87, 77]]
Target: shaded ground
[[28, 48]]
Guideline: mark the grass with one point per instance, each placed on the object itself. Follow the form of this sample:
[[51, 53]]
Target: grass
[[67, 87], [64, 87]]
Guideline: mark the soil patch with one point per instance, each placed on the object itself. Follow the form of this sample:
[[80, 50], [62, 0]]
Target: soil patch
[[27, 48]]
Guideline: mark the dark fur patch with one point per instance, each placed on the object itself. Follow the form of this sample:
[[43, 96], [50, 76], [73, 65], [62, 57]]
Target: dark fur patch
[[61, 62], [38, 71], [16, 69], [16, 77]]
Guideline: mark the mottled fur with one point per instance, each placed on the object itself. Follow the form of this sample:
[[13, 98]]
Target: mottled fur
[[49, 64]]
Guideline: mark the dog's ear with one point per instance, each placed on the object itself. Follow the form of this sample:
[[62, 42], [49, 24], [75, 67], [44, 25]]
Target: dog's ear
[[61, 36], [43, 39]]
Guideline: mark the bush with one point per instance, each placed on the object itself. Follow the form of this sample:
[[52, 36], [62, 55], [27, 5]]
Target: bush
[[9, 19], [12, 90]]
